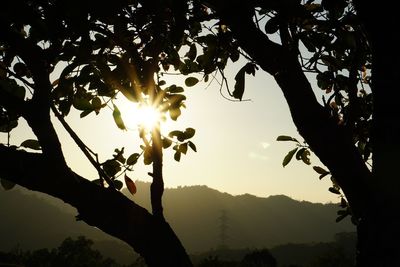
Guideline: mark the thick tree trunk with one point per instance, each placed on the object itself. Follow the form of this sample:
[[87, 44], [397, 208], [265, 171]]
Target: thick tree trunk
[[106, 209], [374, 196], [379, 231]]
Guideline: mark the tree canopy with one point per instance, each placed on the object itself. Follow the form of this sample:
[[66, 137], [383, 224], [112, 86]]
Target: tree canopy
[[100, 51]]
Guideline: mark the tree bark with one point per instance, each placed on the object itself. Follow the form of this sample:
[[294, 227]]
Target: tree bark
[[379, 231], [374, 197], [106, 209]]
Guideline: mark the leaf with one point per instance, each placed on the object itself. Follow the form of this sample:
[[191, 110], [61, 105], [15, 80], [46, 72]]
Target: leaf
[[177, 156], [320, 170], [20, 69], [299, 153], [239, 85], [183, 148], [13, 88], [334, 190], [191, 81], [96, 103], [85, 113], [175, 113], [166, 142], [192, 146], [189, 133], [147, 156], [173, 89], [325, 80], [179, 135], [119, 156], [234, 55], [192, 53], [32, 144], [8, 126], [289, 157], [286, 138], [82, 104], [132, 159], [272, 25], [305, 157], [343, 203], [118, 184], [118, 119], [323, 175], [111, 167], [6, 184], [308, 43], [250, 68], [130, 185]]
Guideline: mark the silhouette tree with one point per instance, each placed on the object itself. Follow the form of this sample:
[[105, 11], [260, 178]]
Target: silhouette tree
[[335, 258], [259, 258], [71, 253], [107, 50], [214, 261]]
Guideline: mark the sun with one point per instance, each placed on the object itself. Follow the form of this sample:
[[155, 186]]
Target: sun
[[148, 116], [137, 115]]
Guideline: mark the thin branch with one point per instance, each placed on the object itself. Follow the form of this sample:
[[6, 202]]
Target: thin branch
[[157, 186], [256, 19], [83, 148], [225, 81]]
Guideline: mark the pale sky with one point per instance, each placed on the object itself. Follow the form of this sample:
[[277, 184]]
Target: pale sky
[[236, 143]]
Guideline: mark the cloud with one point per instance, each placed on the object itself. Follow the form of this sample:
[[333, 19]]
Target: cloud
[[265, 145], [257, 156]]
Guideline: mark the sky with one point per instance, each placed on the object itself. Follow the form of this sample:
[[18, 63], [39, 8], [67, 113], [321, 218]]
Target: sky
[[237, 151]]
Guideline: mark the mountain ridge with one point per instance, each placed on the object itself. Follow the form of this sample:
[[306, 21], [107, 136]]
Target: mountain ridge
[[34, 220]]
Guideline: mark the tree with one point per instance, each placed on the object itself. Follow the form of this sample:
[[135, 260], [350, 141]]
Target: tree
[[259, 258], [107, 50], [73, 253]]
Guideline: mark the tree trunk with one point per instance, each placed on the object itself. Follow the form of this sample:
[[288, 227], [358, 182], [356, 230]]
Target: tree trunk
[[374, 197], [330, 142], [106, 209], [379, 231]]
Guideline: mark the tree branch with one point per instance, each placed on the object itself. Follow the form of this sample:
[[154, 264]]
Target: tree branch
[[83, 147], [37, 112], [330, 142], [107, 209], [157, 186]]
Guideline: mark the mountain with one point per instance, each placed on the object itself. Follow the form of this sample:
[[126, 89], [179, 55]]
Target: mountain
[[195, 213], [32, 220]]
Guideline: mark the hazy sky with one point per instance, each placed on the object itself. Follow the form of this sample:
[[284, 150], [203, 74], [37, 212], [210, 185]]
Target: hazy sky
[[237, 151]]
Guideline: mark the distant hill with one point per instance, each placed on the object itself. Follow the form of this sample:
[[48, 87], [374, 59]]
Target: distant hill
[[33, 220], [194, 212], [30, 221]]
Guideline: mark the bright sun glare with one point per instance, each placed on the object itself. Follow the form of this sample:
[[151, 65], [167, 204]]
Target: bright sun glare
[[148, 116], [135, 115]]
